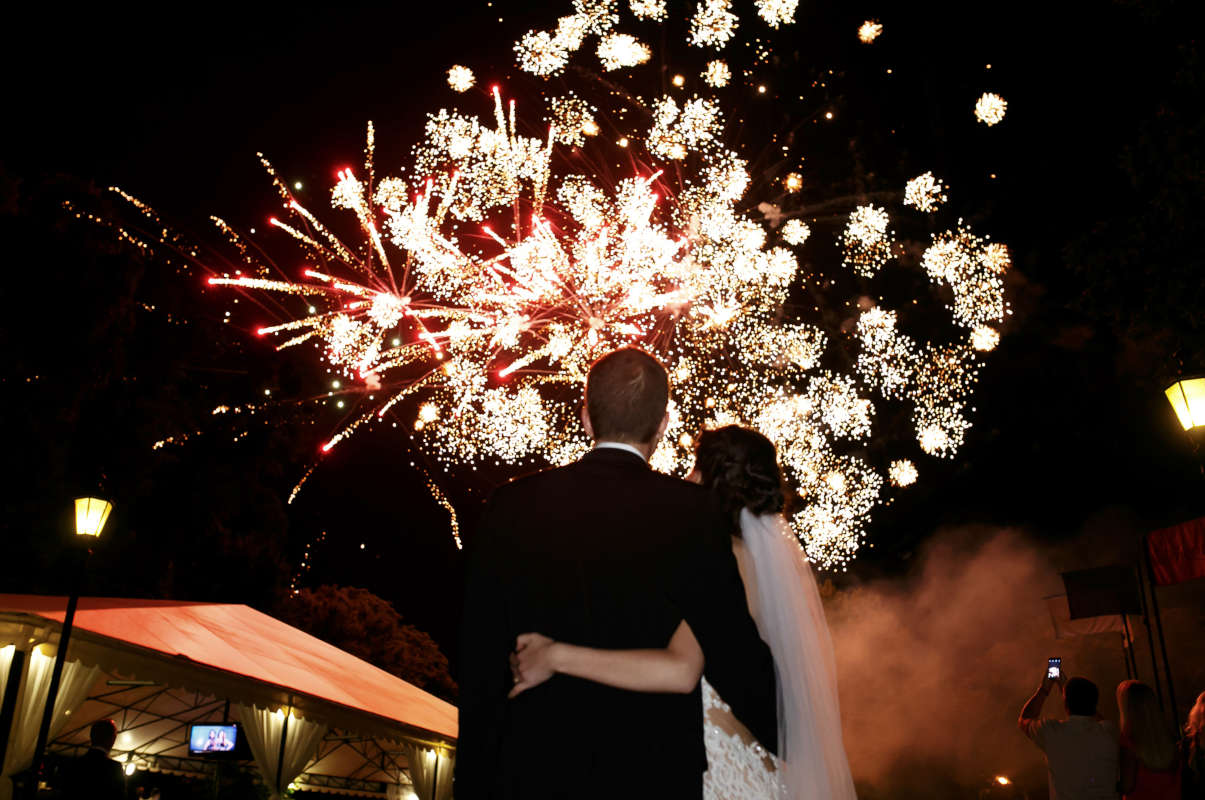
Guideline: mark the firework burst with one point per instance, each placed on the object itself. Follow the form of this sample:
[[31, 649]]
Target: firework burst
[[489, 273]]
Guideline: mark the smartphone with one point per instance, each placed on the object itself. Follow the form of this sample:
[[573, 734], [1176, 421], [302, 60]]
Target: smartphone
[[1054, 667]]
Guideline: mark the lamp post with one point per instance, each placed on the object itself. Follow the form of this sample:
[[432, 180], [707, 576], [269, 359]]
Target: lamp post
[[91, 513], [1187, 397]]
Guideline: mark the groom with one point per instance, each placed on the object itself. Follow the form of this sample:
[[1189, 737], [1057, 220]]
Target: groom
[[605, 553]]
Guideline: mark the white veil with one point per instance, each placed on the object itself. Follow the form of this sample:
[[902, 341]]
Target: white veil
[[790, 618]]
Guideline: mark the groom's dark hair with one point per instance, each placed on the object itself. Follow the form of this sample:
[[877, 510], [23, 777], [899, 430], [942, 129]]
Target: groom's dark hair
[[627, 392]]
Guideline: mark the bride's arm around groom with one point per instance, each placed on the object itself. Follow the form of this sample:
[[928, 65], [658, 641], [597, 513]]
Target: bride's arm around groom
[[606, 553]]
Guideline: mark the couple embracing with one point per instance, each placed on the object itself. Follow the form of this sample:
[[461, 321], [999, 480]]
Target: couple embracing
[[630, 634]]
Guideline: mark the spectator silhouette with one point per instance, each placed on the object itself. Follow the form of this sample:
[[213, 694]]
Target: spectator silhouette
[[1082, 750], [95, 776], [1150, 764], [1192, 752]]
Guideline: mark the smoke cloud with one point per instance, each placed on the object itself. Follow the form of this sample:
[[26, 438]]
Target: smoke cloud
[[934, 667]]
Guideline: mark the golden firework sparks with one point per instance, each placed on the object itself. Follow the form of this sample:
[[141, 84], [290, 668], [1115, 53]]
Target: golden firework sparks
[[460, 78], [713, 24], [496, 265], [795, 232], [867, 240], [617, 50], [649, 9], [717, 74], [777, 12], [925, 193], [902, 473], [990, 108], [869, 30]]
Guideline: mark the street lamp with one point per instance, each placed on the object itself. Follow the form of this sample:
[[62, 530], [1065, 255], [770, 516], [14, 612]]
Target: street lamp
[[91, 513], [1187, 397]]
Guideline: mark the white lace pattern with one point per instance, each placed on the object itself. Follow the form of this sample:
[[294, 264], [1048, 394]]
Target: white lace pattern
[[738, 768]]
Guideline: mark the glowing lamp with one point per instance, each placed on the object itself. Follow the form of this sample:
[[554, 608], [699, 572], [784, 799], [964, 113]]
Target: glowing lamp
[[1187, 397], [90, 515], [1003, 781]]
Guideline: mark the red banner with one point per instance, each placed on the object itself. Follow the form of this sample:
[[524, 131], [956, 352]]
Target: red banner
[[1178, 553]]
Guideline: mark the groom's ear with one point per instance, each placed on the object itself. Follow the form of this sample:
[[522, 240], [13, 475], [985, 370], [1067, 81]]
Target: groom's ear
[[664, 424], [586, 421]]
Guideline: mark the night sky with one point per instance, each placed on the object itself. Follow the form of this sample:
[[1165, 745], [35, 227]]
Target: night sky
[[1097, 192]]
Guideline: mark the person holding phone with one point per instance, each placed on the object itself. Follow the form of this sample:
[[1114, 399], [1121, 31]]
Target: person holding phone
[[1082, 750]]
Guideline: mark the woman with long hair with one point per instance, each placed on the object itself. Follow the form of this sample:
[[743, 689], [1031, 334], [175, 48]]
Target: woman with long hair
[[1192, 752], [740, 468], [1150, 762]]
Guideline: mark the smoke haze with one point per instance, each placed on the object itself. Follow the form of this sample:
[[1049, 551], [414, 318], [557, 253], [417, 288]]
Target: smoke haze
[[934, 667]]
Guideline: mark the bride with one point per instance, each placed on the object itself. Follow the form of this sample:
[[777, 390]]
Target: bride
[[740, 467]]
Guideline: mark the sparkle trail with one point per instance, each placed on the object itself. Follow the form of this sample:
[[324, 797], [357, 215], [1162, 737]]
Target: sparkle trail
[[491, 271]]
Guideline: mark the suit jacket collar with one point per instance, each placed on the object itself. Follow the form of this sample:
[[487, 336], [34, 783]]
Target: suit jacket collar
[[613, 455]]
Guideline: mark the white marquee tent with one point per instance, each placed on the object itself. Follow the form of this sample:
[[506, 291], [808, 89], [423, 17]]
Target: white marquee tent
[[313, 715]]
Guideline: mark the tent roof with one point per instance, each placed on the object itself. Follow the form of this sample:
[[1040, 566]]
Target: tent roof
[[236, 652]]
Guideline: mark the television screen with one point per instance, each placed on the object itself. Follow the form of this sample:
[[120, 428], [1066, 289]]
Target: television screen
[[212, 738]]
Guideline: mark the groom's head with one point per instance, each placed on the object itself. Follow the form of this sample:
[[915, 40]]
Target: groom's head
[[627, 392]]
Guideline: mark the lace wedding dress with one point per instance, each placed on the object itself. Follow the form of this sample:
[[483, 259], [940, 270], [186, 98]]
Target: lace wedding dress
[[785, 604], [738, 768]]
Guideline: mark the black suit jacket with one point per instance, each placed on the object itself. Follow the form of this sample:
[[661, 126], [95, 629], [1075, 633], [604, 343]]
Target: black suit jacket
[[605, 553]]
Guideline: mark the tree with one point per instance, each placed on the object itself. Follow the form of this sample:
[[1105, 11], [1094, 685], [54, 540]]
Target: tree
[[1141, 263], [368, 627]]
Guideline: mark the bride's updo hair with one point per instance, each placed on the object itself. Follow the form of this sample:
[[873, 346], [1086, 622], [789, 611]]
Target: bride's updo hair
[[740, 467]]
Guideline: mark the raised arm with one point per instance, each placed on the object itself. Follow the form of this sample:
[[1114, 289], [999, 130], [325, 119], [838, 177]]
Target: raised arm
[[1032, 709], [673, 668]]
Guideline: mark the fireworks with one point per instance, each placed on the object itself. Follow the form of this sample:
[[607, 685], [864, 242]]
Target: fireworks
[[868, 31], [795, 232], [541, 53], [573, 120], [902, 473], [972, 268], [984, 338], [460, 78], [867, 240], [649, 9], [677, 131], [713, 24], [989, 109], [618, 50], [482, 335], [717, 74], [495, 266], [776, 12], [925, 193]]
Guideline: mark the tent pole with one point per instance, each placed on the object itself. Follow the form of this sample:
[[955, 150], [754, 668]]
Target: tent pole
[[435, 778], [1127, 646], [1150, 638], [1150, 576], [280, 760], [9, 707], [56, 676]]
